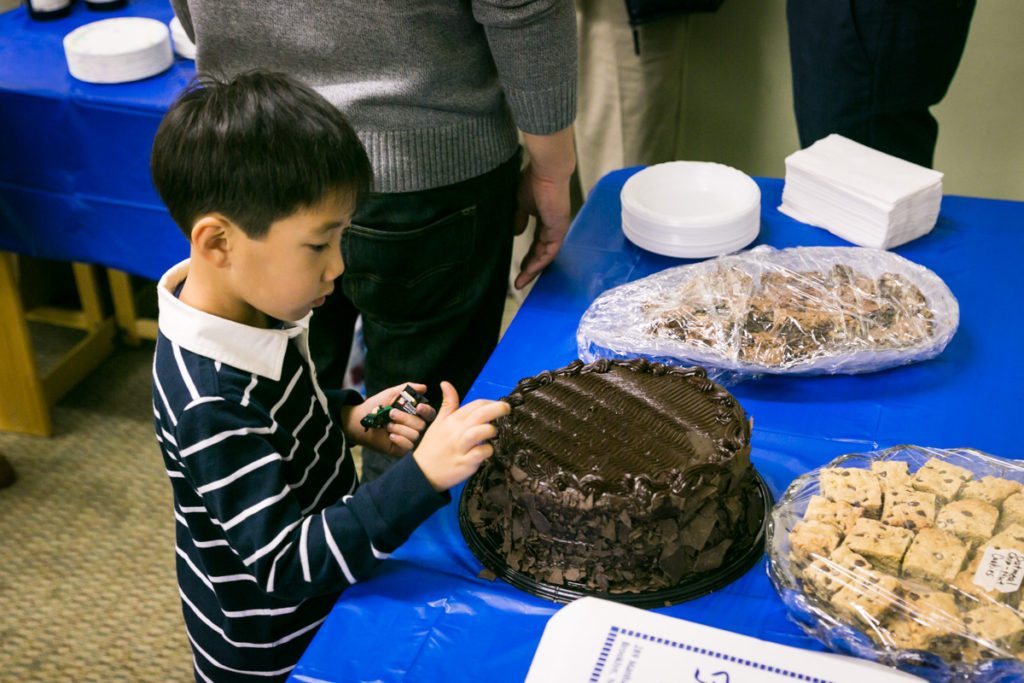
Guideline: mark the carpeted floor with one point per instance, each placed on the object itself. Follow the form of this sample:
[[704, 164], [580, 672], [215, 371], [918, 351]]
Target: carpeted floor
[[87, 584]]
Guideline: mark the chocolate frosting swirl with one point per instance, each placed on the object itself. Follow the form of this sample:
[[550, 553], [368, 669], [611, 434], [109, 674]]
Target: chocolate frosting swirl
[[626, 427]]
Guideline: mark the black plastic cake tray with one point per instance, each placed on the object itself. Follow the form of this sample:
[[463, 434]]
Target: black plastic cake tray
[[737, 561]]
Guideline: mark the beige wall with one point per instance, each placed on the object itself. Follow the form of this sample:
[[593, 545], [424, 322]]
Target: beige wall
[[739, 108]]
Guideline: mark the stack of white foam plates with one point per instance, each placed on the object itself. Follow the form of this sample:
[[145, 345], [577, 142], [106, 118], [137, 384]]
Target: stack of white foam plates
[[691, 209], [182, 44], [118, 50]]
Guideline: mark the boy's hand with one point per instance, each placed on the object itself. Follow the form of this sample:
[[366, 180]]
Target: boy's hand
[[400, 435], [455, 445]]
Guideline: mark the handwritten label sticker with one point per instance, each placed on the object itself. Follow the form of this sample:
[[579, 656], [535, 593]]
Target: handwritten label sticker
[[1000, 570]]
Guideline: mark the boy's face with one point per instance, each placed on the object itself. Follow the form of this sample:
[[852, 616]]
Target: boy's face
[[292, 268]]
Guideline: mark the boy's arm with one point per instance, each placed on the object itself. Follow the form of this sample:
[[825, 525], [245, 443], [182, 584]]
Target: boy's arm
[[294, 552], [339, 399]]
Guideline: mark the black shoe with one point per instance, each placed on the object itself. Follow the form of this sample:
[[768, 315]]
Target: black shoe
[[6, 472]]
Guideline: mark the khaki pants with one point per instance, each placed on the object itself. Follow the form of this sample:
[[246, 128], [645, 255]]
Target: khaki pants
[[630, 106]]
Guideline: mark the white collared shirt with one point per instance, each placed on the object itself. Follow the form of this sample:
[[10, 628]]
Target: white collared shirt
[[252, 349]]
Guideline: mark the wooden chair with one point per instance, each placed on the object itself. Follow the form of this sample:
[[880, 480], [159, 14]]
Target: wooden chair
[[26, 396]]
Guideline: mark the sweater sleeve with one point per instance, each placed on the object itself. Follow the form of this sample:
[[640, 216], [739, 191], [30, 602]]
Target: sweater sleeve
[[533, 43], [184, 15], [226, 457]]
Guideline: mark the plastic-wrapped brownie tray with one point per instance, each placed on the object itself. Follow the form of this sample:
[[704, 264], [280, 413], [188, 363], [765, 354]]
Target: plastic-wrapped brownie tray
[[910, 556], [737, 561], [797, 311]]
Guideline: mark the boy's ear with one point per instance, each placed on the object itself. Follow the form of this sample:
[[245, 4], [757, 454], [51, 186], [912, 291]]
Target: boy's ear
[[212, 237]]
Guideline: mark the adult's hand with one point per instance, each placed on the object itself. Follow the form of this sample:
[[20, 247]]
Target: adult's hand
[[544, 194]]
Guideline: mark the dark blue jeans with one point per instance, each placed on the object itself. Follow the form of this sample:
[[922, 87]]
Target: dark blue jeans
[[428, 271], [871, 69]]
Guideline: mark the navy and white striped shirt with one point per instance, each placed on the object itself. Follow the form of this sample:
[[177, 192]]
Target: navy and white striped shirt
[[271, 521]]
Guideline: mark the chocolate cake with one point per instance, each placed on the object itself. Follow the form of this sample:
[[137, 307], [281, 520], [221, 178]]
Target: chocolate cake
[[618, 477]]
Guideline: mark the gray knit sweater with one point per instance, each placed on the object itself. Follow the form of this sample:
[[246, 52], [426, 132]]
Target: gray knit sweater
[[435, 88]]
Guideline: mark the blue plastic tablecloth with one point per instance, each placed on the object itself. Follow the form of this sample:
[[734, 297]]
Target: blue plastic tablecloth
[[74, 185], [426, 617], [74, 156]]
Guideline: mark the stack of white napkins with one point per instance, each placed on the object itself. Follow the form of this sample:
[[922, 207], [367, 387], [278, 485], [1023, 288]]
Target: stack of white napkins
[[865, 196]]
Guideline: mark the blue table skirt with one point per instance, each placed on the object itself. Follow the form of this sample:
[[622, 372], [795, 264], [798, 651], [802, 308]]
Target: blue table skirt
[[74, 185], [74, 165], [426, 617]]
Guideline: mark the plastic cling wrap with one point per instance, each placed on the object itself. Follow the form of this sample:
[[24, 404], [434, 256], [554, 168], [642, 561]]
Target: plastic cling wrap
[[806, 310], [910, 556]]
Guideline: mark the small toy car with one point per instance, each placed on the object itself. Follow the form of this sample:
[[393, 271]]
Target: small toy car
[[407, 401]]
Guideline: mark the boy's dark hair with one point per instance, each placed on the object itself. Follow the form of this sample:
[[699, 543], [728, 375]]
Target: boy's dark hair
[[255, 148]]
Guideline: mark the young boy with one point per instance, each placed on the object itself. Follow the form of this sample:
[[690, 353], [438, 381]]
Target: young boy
[[262, 174]]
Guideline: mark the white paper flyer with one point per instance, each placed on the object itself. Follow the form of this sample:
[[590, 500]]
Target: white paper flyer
[[597, 641]]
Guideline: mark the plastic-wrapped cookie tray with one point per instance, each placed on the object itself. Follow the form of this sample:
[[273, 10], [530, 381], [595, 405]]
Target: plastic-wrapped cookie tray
[[910, 556], [800, 311]]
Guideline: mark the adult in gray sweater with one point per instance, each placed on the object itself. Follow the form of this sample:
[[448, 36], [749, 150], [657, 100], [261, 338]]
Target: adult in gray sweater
[[436, 90]]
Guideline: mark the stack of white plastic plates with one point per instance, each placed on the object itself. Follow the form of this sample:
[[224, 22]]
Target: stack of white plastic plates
[[691, 209], [118, 50], [182, 44]]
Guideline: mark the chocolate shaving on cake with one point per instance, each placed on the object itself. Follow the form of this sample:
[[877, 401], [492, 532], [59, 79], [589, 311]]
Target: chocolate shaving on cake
[[712, 557], [696, 534]]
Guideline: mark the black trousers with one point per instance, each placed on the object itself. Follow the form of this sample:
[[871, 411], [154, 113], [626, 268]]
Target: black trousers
[[871, 69], [428, 271]]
